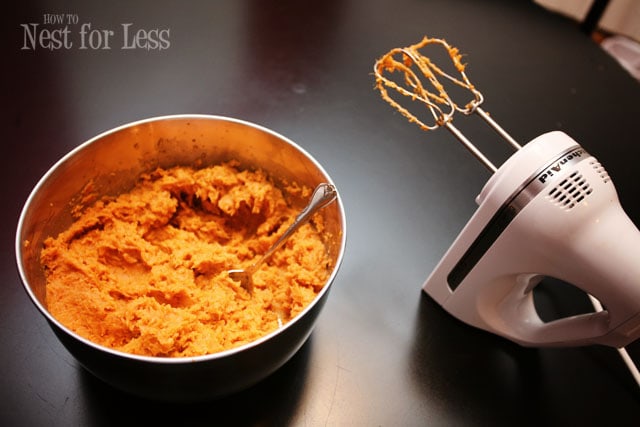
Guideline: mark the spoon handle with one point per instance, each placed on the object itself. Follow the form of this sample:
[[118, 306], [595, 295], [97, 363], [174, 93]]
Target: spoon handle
[[322, 195]]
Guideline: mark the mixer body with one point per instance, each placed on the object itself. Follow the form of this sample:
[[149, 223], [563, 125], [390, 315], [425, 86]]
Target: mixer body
[[551, 210]]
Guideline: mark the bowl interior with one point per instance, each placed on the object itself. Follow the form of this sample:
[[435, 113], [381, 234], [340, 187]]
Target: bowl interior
[[111, 163]]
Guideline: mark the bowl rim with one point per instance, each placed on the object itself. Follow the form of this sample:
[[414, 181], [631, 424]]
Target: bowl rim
[[187, 359]]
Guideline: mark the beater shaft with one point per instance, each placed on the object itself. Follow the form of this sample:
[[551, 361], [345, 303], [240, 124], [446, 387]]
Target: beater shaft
[[487, 118], [472, 148]]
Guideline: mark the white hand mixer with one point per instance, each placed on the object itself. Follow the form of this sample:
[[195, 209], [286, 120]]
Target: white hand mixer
[[550, 210]]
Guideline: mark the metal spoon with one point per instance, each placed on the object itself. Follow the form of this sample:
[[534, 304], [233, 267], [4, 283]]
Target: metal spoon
[[321, 197]]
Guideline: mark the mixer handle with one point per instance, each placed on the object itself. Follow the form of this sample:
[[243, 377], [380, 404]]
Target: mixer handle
[[598, 257], [519, 312]]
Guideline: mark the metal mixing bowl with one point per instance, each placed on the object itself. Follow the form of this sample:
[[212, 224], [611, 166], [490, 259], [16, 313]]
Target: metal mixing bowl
[[111, 163]]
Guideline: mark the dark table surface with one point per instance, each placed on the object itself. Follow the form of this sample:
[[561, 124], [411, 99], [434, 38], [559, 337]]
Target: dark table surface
[[382, 352]]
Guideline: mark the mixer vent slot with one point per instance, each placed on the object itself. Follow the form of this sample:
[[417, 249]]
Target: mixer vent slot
[[600, 170], [570, 191]]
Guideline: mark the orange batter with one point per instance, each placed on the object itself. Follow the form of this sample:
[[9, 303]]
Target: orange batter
[[146, 272]]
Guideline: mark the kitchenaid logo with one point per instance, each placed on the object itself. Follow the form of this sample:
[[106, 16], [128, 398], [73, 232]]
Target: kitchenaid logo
[[65, 31], [556, 167]]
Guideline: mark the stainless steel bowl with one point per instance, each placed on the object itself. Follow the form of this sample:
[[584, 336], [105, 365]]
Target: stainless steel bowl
[[112, 162]]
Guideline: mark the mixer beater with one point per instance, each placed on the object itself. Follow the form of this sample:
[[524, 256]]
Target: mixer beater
[[413, 68], [486, 277]]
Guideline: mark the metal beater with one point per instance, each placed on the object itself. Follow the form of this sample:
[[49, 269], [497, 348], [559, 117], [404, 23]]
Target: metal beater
[[415, 68]]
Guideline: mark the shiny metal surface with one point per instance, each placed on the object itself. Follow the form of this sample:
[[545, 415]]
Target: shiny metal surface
[[109, 164]]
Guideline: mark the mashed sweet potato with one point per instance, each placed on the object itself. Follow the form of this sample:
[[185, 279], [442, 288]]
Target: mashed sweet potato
[[146, 272]]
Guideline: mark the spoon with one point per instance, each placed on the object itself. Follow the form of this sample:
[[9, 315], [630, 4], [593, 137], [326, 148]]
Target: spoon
[[323, 195]]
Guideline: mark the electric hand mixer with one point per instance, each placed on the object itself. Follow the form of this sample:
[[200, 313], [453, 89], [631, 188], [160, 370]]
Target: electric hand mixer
[[550, 210]]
